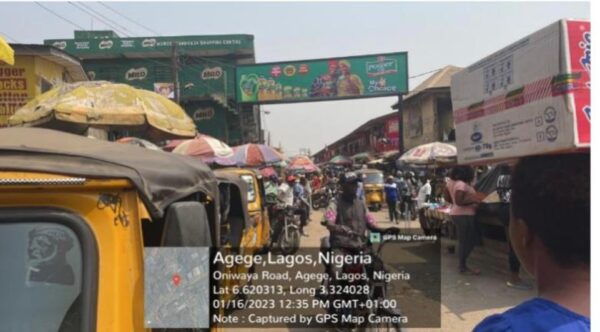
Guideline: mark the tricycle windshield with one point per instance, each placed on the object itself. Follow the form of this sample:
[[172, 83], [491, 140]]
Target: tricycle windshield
[[251, 190], [373, 178], [40, 277]]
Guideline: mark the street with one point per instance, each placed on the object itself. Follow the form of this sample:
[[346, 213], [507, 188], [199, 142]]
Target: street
[[466, 299]]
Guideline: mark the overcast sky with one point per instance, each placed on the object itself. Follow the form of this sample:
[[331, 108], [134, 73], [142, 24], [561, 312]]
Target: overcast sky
[[434, 34]]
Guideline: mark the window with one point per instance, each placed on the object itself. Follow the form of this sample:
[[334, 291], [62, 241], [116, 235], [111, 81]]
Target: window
[[41, 276], [415, 121], [249, 179], [49, 271], [45, 85], [373, 178]]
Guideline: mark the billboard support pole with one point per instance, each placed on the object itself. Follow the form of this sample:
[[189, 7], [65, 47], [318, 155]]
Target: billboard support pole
[[400, 126], [175, 68]]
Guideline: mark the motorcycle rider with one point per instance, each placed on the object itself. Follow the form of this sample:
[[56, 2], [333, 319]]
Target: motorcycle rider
[[348, 221], [300, 203], [348, 230]]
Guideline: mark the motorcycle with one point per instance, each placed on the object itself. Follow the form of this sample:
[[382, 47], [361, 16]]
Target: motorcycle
[[377, 289], [285, 230], [322, 197]]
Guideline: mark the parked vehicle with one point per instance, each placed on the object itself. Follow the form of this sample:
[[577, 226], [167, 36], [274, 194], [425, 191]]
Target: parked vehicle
[[257, 209], [373, 185], [285, 234], [377, 288], [91, 207], [320, 198]]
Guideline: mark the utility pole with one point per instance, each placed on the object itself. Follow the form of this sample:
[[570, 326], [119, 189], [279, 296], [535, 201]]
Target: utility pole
[[400, 126], [175, 69]]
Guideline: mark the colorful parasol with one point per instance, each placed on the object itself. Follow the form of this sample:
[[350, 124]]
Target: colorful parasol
[[203, 146], [139, 142], [302, 164], [76, 106], [254, 155], [435, 153], [268, 172], [340, 160]]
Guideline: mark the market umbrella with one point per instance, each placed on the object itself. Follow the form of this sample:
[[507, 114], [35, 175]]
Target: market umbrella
[[340, 160], [267, 172], [206, 148], [302, 164], [76, 106], [435, 153], [362, 157], [7, 54], [255, 155], [139, 142]]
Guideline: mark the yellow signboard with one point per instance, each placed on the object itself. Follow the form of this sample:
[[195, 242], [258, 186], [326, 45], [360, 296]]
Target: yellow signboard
[[17, 86]]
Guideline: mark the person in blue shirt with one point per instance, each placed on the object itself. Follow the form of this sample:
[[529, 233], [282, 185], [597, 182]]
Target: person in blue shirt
[[550, 233], [391, 197]]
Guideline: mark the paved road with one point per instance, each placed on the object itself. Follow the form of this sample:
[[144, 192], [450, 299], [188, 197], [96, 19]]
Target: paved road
[[466, 299]]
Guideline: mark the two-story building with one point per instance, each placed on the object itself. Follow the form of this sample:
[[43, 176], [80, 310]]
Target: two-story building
[[198, 72], [426, 116], [37, 69]]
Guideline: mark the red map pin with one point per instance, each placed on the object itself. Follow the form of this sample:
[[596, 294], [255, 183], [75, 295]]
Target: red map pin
[[176, 279]]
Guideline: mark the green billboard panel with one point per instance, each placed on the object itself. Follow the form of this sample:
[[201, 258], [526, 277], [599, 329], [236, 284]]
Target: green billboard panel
[[155, 46], [324, 79]]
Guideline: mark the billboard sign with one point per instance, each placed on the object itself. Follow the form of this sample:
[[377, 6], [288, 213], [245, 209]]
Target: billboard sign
[[324, 79]]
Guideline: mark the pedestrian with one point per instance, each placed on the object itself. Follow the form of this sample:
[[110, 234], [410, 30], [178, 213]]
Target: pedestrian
[[300, 204], [316, 182], [550, 232], [464, 199], [423, 197], [407, 206], [391, 197], [307, 193]]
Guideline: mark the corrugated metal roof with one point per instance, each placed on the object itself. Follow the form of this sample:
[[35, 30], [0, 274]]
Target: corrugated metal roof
[[441, 79], [53, 54]]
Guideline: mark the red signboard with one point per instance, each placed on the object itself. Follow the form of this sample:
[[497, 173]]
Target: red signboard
[[580, 63]]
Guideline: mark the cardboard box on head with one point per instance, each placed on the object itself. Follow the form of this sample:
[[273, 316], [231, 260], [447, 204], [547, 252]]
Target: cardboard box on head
[[531, 97]]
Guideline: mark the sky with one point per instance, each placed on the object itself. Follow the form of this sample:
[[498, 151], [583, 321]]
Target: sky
[[434, 34]]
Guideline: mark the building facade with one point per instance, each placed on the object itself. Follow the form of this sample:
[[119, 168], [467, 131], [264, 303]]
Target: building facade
[[198, 72], [37, 69], [426, 117]]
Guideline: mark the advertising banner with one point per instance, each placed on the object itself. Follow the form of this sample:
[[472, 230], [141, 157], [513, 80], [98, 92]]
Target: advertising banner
[[580, 45], [166, 90], [529, 98], [326, 79]]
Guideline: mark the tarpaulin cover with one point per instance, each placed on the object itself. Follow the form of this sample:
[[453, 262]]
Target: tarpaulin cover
[[161, 178]]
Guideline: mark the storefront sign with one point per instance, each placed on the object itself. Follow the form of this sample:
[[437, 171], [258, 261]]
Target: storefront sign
[[136, 74], [203, 114], [15, 90], [212, 73], [152, 44], [329, 79]]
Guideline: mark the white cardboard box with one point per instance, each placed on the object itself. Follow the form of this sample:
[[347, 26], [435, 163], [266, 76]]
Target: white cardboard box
[[531, 97]]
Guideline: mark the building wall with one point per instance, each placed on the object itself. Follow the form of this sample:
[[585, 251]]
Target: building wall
[[29, 77], [426, 118], [419, 120]]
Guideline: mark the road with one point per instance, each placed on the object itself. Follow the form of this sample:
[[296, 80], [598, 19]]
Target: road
[[465, 299]]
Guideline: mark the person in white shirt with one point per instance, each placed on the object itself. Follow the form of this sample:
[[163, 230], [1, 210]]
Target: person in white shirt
[[285, 191], [424, 194], [423, 197]]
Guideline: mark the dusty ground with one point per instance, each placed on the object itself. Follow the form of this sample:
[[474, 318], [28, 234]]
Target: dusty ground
[[465, 299]]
